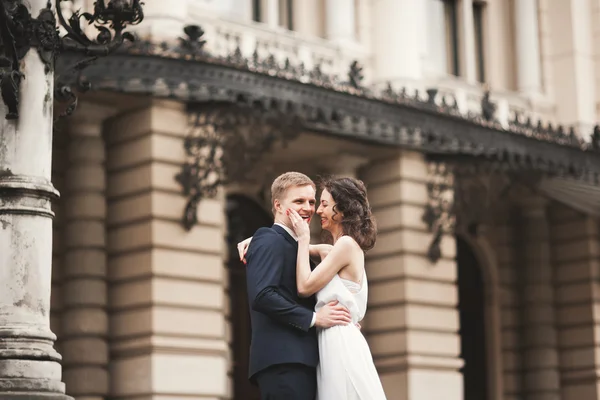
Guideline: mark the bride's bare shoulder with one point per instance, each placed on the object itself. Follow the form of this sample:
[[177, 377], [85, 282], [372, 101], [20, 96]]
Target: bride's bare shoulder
[[347, 243]]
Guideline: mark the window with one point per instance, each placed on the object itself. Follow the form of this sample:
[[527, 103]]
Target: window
[[478, 24], [274, 12], [451, 19], [256, 10]]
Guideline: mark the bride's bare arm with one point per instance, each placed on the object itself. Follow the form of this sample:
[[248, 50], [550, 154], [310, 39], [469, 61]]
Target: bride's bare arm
[[309, 282], [315, 250], [319, 250]]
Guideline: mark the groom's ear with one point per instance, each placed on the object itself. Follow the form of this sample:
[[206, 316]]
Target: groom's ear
[[277, 205]]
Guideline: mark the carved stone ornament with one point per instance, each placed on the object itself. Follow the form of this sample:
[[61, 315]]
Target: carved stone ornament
[[20, 31], [223, 145]]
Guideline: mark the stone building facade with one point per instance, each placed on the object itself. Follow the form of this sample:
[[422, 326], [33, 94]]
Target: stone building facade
[[148, 307]]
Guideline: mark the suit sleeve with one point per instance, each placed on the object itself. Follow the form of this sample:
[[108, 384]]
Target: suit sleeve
[[265, 266]]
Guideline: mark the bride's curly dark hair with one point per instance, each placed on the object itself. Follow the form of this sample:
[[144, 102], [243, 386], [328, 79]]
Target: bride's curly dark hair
[[350, 196]]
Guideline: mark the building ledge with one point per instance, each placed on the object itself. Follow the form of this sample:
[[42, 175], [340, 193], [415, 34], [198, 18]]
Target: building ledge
[[430, 122]]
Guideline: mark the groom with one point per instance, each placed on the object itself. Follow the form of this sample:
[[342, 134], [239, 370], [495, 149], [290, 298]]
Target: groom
[[284, 352]]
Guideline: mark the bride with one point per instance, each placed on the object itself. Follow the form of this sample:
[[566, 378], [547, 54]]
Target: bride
[[346, 370]]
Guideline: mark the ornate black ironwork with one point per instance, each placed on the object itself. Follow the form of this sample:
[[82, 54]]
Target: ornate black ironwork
[[468, 195], [224, 144], [430, 123], [109, 16], [20, 32], [487, 107], [439, 211]]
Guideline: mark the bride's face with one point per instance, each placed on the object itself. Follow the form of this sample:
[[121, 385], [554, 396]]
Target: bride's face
[[329, 217]]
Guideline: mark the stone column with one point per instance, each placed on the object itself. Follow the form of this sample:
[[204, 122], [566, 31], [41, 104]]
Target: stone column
[[539, 346], [572, 60], [468, 64], [235, 9], [412, 321], [29, 365], [340, 23], [271, 13], [364, 24], [396, 47], [527, 43], [84, 317], [437, 56], [308, 17]]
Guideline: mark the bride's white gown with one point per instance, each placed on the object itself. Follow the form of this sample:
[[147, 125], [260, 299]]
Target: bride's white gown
[[346, 370]]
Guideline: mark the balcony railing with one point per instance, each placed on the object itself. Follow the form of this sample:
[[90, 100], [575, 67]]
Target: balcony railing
[[224, 36], [468, 98]]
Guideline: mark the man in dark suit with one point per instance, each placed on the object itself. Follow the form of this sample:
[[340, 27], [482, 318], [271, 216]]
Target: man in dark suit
[[284, 352]]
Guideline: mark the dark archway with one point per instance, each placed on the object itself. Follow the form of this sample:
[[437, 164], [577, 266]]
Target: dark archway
[[244, 217], [471, 306]]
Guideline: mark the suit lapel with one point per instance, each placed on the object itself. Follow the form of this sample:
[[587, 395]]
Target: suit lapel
[[286, 235], [293, 241]]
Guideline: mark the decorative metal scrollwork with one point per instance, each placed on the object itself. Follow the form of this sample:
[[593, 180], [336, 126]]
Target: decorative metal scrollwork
[[20, 32], [223, 145], [355, 75], [439, 212]]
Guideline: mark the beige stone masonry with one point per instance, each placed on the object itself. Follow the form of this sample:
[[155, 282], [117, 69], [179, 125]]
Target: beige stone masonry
[[576, 255], [503, 240], [85, 320], [168, 319], [412, 320], [539, 347]]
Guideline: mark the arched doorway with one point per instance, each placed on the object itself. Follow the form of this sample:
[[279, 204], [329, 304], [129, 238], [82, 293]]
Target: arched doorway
[[471, 306], [244, 217]]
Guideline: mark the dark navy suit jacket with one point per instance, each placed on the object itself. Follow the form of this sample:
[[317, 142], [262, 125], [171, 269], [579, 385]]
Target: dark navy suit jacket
[[280, 319]]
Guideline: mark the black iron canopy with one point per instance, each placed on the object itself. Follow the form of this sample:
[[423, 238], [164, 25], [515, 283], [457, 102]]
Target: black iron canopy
[[427, 122], [226, 94]]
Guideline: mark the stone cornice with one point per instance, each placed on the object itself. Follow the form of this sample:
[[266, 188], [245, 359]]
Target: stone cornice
[[325, 104]]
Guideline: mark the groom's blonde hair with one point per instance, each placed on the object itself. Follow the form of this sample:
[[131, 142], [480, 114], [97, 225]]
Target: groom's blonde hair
[[285, 181]]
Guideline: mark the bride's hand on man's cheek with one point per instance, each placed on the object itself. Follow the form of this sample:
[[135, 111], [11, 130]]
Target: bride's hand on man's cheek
[[299, 225]]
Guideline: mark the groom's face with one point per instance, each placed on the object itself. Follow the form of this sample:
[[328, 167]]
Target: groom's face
[[299, 198]]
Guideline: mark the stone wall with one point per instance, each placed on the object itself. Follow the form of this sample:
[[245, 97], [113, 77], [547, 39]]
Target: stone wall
[[412, 321], [576, 255], [168, 327]]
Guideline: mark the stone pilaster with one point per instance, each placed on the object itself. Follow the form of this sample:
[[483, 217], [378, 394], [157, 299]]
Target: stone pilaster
[[468, 64], [168, 325], [539, 345], [504, 241], [271, 13], [572, 60], [527, 41], [340, 23], [397, 39], [84, 316], [576, 255], [29, 366], [412, 320]]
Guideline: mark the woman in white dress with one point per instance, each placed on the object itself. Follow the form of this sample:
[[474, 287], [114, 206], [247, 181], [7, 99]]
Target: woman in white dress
[[346, 370]]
